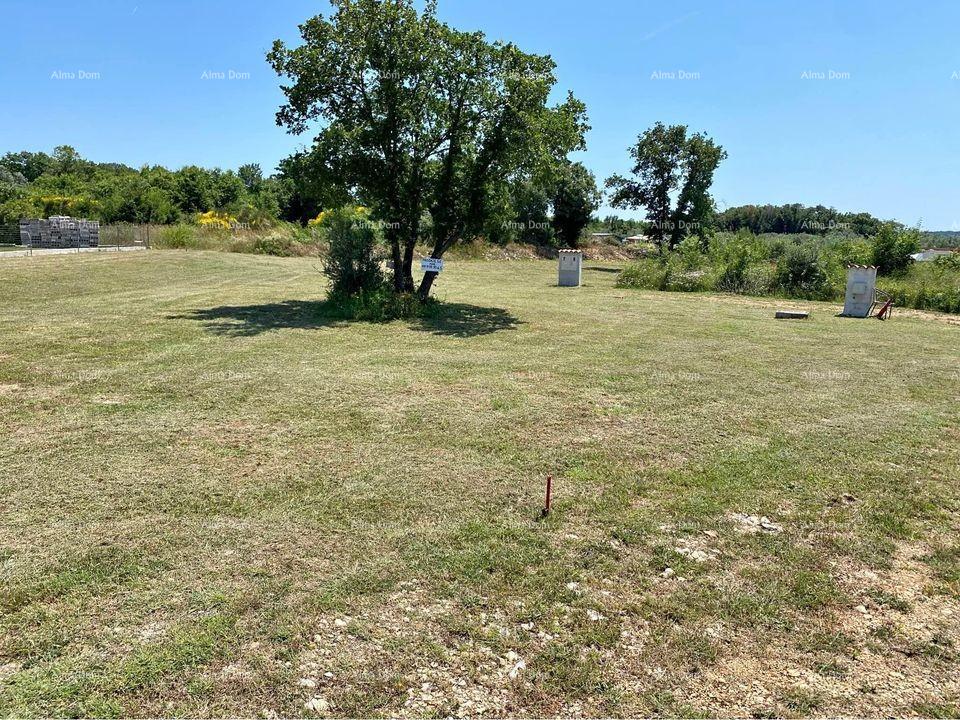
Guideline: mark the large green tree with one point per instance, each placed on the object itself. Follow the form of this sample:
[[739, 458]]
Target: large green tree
[[575, 199], [419, 119], [672, 174]]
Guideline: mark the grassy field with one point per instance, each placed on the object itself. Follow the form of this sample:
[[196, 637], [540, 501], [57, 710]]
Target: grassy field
[[214, 501]]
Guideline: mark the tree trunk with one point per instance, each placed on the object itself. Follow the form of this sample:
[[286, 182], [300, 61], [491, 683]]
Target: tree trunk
[[394, 240], [441, 243], [406, 281], [424, 290]]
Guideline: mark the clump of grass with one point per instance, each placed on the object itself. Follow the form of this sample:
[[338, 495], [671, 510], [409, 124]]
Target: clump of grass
[[945, 562], [646, 274], [832, 642], [939, 647], [889, 600], [62, 691], [801, 700], [569, 670], [94, 569], [832, 669], [178, 237], [341, 592], [883, 633], [665, 704], [938, 710]]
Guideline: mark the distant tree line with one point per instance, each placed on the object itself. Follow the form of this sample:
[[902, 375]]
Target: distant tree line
[[941, 238], [553, 208], [35, 184], [619, 226], [796, 219]]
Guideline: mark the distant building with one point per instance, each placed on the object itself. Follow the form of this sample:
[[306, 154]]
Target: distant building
[[931, 254]]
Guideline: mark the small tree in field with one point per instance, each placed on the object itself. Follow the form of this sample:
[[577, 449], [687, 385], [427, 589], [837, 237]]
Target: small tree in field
[[418, 118], [670, 164]]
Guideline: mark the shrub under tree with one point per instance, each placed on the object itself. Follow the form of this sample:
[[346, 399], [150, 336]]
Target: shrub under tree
[[353, 263]]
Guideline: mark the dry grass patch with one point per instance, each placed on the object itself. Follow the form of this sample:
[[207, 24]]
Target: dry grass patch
[[216, 502]]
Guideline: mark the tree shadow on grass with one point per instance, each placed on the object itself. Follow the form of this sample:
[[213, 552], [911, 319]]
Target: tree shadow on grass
[[449, 319], [465, 320], [249, 320]]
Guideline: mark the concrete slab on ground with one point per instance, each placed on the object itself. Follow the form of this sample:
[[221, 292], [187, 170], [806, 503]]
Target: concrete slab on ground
[[69, 251]]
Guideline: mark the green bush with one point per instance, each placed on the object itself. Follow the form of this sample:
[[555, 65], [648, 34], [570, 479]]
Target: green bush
[[671, 273], [178, 237], [681, 277], [927, 286], [690, 253], [274, 245], [192, 237], [801, 266], [800, 272], [380, 305], [759, 280], [892, 248], [733, 256], [732, 277], [851, 252], [647, 274], [353, 258], [948, 262]]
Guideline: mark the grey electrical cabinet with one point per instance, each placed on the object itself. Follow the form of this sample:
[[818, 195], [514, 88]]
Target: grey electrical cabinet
[[861, 290], [571, 266]]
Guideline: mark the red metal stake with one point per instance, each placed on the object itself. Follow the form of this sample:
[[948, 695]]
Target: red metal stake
[[886, 311], [546, 507]]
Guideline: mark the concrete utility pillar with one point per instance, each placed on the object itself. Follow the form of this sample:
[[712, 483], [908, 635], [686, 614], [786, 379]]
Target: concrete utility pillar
[[571, 264], [861, 290]]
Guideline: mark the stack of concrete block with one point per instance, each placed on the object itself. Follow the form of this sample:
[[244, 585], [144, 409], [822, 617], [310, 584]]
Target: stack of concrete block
[[60, 231], [89, 233], [29, 232]]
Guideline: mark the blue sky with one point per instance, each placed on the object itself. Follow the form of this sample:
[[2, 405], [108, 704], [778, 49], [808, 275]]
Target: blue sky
[[850, 104]]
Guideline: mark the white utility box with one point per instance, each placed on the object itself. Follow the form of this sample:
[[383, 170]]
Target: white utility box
[[861, 290], [571, 266]]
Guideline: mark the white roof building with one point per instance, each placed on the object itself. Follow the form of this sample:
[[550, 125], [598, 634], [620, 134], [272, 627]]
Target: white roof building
[[926, 255]]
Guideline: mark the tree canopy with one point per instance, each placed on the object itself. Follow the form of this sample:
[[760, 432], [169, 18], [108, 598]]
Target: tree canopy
[[418, 119], [575, 199], [672, 174]]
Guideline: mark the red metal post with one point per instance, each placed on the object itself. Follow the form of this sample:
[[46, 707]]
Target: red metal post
[[546, 507]]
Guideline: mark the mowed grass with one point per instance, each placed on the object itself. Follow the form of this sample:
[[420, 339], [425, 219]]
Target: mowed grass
[[216, 501]]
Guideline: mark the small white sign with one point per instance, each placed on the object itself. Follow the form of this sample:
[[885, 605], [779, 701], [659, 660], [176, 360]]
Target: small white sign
[[431, 265]]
